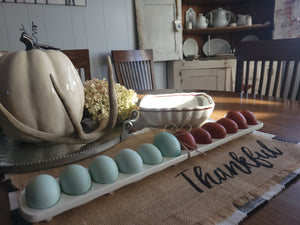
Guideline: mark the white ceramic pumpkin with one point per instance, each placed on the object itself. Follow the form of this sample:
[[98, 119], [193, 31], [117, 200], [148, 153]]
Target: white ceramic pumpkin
[[42, 97], [26, 90]]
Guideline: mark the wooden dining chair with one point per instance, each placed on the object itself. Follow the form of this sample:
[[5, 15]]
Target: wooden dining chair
[[81, 61], [134, 68], [269, 67]]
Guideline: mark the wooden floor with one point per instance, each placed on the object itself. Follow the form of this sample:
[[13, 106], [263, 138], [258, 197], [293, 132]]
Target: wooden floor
[[271, 213]]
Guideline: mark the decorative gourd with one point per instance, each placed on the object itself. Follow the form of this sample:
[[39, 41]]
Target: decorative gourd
[[42, 97]]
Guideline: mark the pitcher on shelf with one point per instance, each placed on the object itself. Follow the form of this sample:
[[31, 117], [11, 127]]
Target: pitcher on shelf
[[202, 21], [244, 20], [220, 18]]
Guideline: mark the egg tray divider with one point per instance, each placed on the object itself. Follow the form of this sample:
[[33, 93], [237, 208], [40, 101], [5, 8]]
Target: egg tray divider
[[67, 202]]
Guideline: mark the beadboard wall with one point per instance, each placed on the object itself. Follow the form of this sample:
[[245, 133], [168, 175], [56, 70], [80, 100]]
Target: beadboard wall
[[101, 26]]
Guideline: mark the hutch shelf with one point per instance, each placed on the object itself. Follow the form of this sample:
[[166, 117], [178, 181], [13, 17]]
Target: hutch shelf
[[226, 30], [261, 11]]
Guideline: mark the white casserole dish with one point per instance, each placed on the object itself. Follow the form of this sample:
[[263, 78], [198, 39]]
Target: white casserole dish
[[160, 110]]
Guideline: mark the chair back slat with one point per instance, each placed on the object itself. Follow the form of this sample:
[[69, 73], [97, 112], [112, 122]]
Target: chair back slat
[[81, 61], [254, 77], [239, 76], [247, 75], [122, 68], [144, 73], [138, 73], [133, 75], [277, 77], [276, 67], [148, 70], [261, 80], [137, 68], [269, 79], [293, 80], [284, 78], [127, 77]]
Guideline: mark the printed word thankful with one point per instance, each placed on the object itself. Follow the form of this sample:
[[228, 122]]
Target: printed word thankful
[[238, 164]]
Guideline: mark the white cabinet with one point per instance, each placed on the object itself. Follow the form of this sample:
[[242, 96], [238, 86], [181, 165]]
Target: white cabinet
[[211, 79], [211, 74], [156, 25]]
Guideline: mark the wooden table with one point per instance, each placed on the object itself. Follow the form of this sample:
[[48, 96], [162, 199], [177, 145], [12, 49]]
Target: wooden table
[[280, 117]]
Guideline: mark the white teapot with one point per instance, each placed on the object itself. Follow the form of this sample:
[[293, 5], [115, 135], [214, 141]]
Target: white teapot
[[202, 21], [220, 18]]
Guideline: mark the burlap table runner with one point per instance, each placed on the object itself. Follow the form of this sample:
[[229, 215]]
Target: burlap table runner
[[206, 189]]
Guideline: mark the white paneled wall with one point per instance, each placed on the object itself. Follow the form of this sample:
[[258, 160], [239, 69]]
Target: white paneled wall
[[102, 26]]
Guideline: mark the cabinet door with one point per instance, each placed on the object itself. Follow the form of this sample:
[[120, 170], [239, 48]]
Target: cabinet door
[[207, 79], [156, 28]]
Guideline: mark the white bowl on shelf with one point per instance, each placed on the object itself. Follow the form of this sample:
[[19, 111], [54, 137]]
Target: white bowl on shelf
[[164, 109]]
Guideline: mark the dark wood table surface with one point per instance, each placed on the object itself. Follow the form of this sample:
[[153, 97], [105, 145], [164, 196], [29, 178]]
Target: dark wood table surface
[[280, 117]]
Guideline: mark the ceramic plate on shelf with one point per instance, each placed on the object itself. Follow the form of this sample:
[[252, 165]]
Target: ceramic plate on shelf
[[250, 38], [190, 47], [216, 46]]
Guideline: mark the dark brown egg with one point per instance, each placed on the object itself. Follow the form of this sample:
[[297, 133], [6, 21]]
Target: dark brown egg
[[216, 130], [201, 135], [238, 118], [250, 117], [230, 126]]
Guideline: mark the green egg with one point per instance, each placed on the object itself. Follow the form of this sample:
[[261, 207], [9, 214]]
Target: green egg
[[150, 154], [129, 161], [75, 180], [42, 192], [168, 144], [104, 170]]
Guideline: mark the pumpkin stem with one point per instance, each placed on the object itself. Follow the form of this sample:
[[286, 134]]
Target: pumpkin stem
[[28, 41], [31, 41]]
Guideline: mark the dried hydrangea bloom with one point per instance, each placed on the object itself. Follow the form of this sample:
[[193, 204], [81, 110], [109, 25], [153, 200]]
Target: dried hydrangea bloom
[[97, 102]]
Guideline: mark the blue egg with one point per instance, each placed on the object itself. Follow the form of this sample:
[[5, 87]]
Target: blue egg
[[75, 180], [168, 144], [129, 161], [150, 154], [104, 170], [42, 192]]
